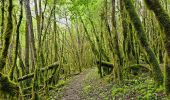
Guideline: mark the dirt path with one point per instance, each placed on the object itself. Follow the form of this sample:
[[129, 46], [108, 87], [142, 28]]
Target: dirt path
[[74, 89], [85, 86]]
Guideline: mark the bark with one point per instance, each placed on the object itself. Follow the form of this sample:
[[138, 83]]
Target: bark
[[110, 35], [38, 20], [33, 49], [125, 26], [2, 17], [117, 48], [27, 48], [157, 74], [7, 37], [30, 30], [17, 42]]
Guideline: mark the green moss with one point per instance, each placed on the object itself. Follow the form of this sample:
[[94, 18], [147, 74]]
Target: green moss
[[7, 37], [137, 69], [87, 89], [8, 87], [167, 76], [157, 74], [164, 21], [35, 87], [138, 88]]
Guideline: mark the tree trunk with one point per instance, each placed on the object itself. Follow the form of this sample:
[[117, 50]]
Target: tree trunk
[[116, 42], [7, 37], [35, 88], [17, 41], [2, 17], [157, 74], [30, 30], [164, 21]]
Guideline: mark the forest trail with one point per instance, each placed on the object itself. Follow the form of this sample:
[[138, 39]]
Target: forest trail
[[73, 91], [86, 85]]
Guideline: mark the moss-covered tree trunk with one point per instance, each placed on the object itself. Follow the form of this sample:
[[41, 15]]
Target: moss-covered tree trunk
[[157, 74], [2, 17], [117, 48], [17, 41], [35, 67], [125, 26], [7, 37], [164, 20], [6, 86]]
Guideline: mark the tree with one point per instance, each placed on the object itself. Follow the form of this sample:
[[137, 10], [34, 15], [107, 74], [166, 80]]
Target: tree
[[157, 74], [164, 21]]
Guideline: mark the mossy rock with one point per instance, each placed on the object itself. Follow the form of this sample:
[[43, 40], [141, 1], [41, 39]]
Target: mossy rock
[[137, 69]]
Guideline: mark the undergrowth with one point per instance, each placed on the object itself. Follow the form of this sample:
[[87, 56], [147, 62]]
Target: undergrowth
[[138, 88]]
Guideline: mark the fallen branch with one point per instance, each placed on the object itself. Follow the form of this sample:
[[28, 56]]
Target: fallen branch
[[105, 64], [31, 75], [138, 67], [28, 89]]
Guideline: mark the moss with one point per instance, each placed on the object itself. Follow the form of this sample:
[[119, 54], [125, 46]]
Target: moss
[[31, 75], [162, 17], [8, 87], [167, 76], [7, 37], [136, 69], [157, 74], [164, 21], [2, 62], [35, 87]]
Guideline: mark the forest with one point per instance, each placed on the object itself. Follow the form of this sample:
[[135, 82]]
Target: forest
[[85, 50]]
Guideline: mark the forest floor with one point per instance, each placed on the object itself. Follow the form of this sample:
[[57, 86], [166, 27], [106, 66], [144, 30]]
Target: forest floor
[[89, 86], [85, 86]]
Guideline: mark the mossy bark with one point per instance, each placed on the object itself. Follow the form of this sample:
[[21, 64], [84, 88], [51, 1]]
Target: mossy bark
[[105, 64], [137, 69], [2, 16], [31, 75], [17, 42], [157, 74], [7, 37], [8, 87], [164, 20], [125, 27], [117, 47]]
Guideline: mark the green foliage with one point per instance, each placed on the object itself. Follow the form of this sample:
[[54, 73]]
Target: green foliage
[[87, 88], [61, 83], [138, 88]]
